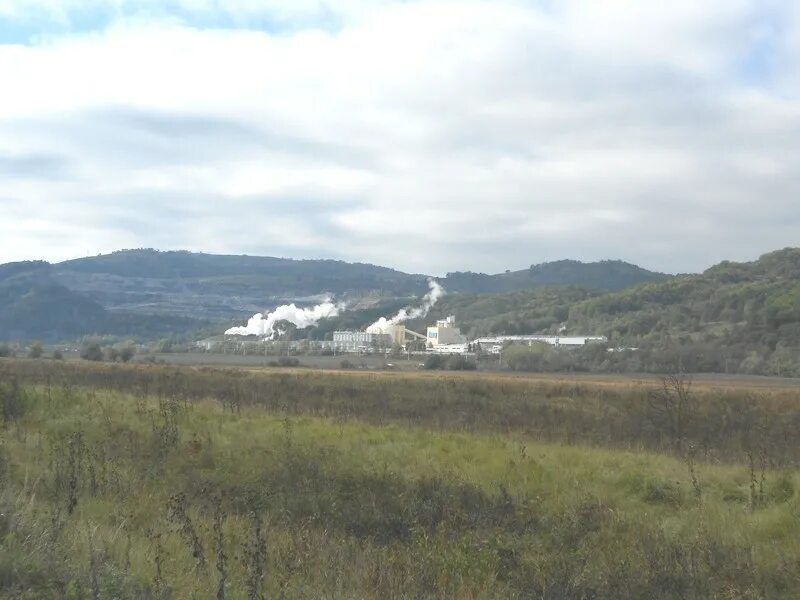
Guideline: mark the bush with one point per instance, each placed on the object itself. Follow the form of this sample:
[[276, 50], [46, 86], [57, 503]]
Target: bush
[[12, 402], [346, 364], [58, 355], [783, 489], [6, 351], [92, 352], [433, 361], [529, 358], [126, 353], [35, 350], [460, 363], [455, 362]]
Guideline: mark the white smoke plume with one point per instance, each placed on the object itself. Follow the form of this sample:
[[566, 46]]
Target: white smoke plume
[[383, 324], [264, 324]]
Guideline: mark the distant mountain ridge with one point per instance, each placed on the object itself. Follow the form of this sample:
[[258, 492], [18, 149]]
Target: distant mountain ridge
[[135, 292], [602, 275]]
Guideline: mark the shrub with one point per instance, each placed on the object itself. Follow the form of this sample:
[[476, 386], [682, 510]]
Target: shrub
[[12, 402], [126, 353], [92, 352], [460, 363], [35, 350], [433, 361], [662, 492], [783, 489], [528, 358]]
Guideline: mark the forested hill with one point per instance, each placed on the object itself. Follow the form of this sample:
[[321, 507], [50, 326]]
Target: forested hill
[[140, 292], [734, 312], [218, 287], [282, 274], [757, 302], [734, 317], [34, 305], [601, 275]]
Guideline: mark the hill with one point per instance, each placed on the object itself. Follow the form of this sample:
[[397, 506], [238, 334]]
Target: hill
[[222, 287], [606, 275], [149, 293], [734, 317], [34, 305]]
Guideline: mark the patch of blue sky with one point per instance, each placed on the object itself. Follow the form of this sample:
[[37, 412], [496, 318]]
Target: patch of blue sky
[[759, 60], [36, 24], [30, 26]]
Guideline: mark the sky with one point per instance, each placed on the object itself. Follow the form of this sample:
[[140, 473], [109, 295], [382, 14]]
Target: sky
[[426, 135]]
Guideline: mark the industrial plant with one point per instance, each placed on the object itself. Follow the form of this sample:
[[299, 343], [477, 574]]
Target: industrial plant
[[443, 337], [383, 336]]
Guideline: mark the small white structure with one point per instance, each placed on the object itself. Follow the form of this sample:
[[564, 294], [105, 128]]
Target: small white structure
[[445, 332]]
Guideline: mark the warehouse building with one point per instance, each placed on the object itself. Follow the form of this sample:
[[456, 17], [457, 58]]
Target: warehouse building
[[495, 344]]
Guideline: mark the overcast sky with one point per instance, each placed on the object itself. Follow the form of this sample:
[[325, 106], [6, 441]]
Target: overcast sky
[[425, 135]]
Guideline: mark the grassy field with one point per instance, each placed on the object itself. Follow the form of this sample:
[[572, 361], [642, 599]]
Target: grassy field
[[156, 482]]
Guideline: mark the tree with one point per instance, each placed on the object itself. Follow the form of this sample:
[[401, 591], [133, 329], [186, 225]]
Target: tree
[[126, 353], [92, 351], [35, 350], [672, 406]]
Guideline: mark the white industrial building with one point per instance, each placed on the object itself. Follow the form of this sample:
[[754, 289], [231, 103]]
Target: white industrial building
[[445, 333], [361, 341], [494, 344]]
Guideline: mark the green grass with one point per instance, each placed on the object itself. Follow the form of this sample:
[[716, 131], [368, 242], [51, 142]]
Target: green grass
[[353, 509]]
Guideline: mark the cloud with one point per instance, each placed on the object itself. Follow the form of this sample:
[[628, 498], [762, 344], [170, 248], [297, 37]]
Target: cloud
[[429, 135]]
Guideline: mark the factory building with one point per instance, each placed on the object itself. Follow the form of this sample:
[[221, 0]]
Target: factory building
[[445, 333], [361, 341], [494, 344], [397, 333]]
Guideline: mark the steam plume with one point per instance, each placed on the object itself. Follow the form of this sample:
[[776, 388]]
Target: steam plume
[[264, 324], [383, 324]]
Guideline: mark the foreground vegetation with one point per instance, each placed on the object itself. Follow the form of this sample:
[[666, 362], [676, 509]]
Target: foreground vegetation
[[134, 482]]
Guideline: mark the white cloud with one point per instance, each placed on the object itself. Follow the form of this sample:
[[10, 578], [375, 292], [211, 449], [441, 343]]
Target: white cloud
[[429, 135]]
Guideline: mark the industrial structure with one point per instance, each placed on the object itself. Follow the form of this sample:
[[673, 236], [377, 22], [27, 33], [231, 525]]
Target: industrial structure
[[445, 333], [495, 344], [444, 337], [360, 341]]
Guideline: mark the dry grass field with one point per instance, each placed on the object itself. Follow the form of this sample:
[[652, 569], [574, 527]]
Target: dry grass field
[[194, 482]]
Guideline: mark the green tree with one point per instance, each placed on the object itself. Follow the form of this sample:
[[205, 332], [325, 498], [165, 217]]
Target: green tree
[[126, 353], [35, 350], [92, 351]]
